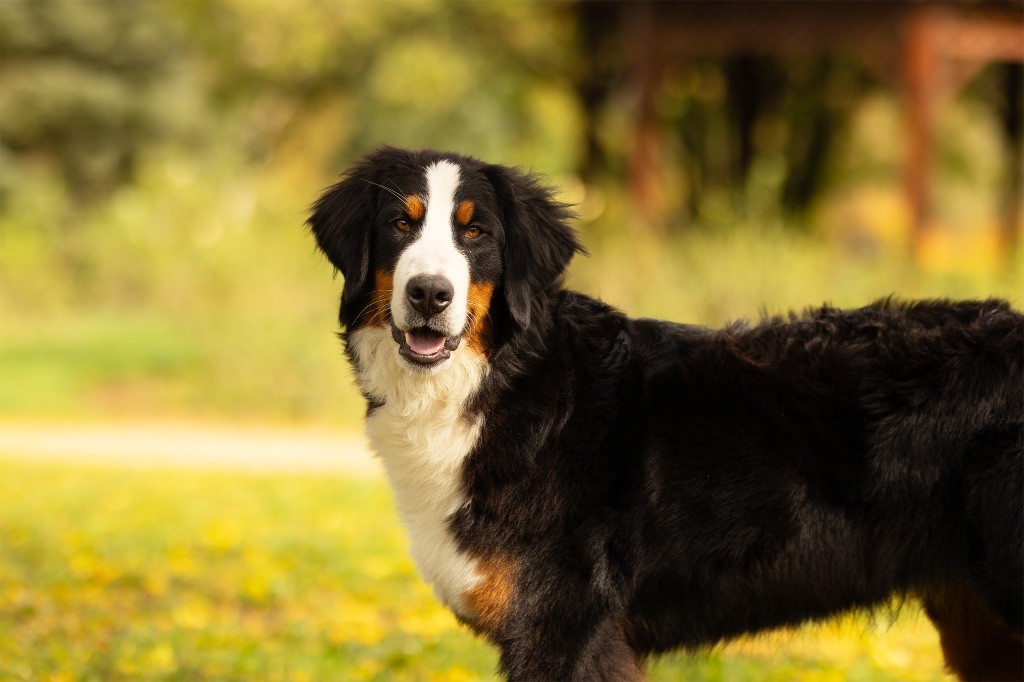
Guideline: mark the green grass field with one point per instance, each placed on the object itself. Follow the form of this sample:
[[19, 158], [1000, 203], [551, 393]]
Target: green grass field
[[113, 574]]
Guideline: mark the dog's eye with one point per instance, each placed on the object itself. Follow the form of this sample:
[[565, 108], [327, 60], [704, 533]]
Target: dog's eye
[[472, 232], [401, 224]]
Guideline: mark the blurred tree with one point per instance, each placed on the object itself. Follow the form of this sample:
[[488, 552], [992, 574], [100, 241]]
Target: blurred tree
[[467, 76], [86, 85], [302, 88], [89, 87]]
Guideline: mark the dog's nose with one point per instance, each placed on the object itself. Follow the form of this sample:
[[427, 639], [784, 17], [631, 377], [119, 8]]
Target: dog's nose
[[429, 294]]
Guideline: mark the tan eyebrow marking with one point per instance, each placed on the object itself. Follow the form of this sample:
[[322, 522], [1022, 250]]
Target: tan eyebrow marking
[[465, 212], [414, 207]]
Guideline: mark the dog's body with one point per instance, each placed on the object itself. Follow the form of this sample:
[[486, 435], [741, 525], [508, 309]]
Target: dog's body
[[586, 489]]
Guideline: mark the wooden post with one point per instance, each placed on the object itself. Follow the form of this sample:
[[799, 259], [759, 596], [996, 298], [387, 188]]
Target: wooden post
[[644, 154], [919, 74]]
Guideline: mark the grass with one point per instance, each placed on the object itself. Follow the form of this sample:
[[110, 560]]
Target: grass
[[145, 575], [65, 365], [112, 574]]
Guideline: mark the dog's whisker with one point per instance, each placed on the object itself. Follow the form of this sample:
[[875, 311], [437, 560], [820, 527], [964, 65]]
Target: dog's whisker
[[476, 306], [388, 189], [372, 304]]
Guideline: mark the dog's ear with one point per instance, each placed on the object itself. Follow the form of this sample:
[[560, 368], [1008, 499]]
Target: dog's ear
[[342, 222], [539, 242]]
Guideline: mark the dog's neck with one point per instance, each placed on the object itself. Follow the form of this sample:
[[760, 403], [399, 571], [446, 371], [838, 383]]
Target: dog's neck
[[422, 431]]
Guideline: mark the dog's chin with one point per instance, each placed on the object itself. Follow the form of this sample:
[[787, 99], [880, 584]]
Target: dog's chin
[[423, 347]]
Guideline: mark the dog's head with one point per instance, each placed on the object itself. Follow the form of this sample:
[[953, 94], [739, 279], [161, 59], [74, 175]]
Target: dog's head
[[440, 249]]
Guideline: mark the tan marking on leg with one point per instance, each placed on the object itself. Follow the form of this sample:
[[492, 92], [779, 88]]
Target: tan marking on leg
[[375, 314], [976, 643], [465, 212], [414, 207], [489, 600], [478, 338]]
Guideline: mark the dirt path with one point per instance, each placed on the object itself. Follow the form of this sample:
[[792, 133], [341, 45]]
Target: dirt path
[[194, 446]]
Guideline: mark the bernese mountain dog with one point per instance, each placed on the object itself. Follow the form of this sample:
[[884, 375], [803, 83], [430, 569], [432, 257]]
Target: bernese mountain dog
[[587, 489]]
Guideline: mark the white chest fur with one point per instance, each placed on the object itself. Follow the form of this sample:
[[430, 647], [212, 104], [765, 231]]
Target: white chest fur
[[423, 438]]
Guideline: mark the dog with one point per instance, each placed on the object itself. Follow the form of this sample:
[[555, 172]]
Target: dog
[[587, 490]]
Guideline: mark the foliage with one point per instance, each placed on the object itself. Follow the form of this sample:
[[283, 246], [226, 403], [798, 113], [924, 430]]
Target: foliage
[[158, 160], [157, 575], [88, 86], [91, 90]]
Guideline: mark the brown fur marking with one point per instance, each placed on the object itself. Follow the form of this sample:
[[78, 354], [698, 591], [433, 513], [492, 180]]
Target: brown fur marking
[[478, 338], [976, 643], [489, 600], [414, 207], [375, 314], [465, 212]]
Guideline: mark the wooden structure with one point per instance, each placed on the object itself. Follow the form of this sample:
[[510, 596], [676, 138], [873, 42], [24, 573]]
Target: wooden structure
[[929, 50]]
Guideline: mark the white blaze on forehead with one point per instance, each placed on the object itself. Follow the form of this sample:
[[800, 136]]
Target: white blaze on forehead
[[434, 252], [442, 181]]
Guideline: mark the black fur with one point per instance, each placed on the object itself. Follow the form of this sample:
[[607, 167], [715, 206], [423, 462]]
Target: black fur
[[339, 222], [539, 242], [692, 485], [658, 485]]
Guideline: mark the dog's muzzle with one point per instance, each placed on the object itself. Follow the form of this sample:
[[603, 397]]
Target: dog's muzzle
[[423, 345]]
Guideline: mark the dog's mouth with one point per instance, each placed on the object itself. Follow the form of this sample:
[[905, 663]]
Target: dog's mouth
[[423, 345]]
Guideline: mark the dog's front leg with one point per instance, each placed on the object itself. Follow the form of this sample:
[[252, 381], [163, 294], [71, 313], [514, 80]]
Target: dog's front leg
[[560, 645]]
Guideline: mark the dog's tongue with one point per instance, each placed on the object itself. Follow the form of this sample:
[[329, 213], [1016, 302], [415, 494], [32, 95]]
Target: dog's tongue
[[424, 341]]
